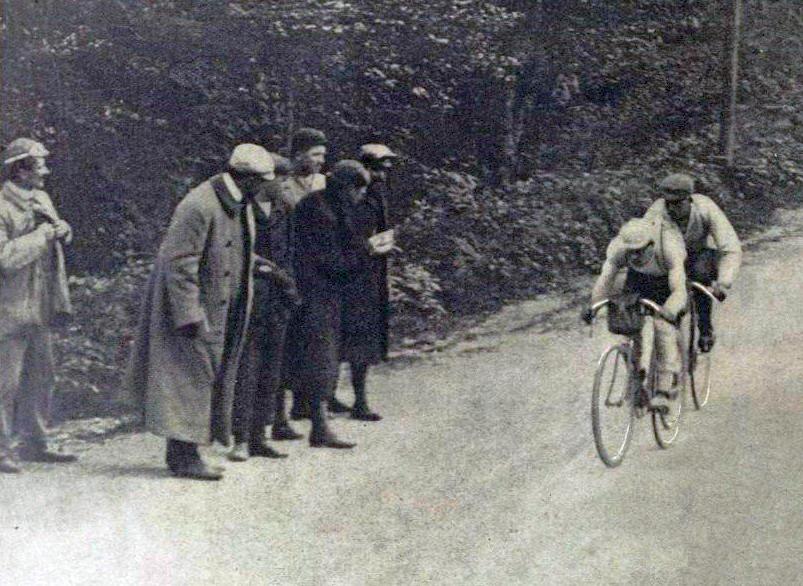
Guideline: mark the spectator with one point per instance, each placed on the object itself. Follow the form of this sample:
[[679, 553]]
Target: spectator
[[195, 315], [33, 298], [365, 297], [324, 264]]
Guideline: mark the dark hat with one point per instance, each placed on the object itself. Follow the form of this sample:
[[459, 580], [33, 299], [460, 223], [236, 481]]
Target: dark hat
[[350, 172], [305, 139]]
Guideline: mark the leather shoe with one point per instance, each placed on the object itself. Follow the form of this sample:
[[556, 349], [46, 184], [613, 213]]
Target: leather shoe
[[706, 342], [195, 470], [336, 406], [365, 414], [44, 455], [239, 453], [329, 441], [9, 466], [284, 433], [265, 451]]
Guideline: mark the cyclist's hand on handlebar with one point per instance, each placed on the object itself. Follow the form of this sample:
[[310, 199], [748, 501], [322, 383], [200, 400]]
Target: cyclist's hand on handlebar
[[670, 317], [587, 315], [719, 291]]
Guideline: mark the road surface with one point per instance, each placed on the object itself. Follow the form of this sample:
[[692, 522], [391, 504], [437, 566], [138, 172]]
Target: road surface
[[483, 472]]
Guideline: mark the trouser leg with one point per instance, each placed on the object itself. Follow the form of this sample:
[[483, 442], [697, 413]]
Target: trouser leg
[[12, 352], [245, 389], [359, 374], [37, 382], [318, 416], [702, 267], [668, 357]]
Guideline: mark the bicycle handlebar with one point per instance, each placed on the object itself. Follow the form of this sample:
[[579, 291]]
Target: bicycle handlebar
[[707, 292], [649, 304]]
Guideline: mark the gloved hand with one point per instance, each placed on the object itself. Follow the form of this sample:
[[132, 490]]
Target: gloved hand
[[587, 315]]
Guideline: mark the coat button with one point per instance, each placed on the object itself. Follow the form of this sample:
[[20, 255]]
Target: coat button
[[226, 273], [229, 243]]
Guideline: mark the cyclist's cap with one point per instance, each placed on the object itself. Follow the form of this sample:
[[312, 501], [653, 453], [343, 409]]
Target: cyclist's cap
[[636, 233], [678, 183], [22, 148]]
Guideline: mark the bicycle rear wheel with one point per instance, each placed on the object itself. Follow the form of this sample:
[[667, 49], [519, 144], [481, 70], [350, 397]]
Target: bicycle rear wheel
[[612, 405]]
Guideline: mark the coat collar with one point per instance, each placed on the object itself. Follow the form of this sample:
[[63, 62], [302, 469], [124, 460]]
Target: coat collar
[[20, 197], [230, 196]]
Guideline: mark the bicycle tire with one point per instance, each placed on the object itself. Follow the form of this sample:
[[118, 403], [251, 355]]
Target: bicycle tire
[[666, 427], [700, 367], [620, 370]]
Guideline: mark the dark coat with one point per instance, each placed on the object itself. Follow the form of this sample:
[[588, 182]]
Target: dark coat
[[324, 263], [366, 306], [185, 386]]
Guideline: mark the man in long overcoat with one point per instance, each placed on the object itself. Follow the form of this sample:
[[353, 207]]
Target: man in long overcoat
[[33, 298], [184, 363], [324, 264], [365, 297]]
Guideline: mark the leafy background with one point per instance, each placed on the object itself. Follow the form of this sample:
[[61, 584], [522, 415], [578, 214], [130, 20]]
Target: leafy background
[[531, 129]]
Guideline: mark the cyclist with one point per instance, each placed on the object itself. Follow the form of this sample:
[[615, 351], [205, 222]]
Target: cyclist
[[713, 248], [654, 256]]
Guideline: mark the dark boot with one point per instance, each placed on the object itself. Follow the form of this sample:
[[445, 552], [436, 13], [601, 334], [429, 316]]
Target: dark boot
[[336, 406], [184, 461], [321, 436], [361, 412], [283, 432]]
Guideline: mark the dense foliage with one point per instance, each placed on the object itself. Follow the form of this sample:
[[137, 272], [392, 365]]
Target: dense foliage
[[531, 128]]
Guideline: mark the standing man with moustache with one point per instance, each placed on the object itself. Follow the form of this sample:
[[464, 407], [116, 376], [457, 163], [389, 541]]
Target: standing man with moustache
[[184, 363], [33, 298]]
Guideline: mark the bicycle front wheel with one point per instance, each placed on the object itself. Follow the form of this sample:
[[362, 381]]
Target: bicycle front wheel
[[700, 368], [666, 424], [612, 405]]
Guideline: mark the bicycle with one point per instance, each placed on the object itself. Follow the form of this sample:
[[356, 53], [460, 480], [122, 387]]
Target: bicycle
[[630, 399]]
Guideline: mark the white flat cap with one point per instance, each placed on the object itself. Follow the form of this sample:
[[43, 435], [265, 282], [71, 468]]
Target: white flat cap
[[376, 152], [251, 158], [22, 148]]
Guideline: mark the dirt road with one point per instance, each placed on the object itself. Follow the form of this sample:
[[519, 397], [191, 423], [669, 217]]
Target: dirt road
[[483, 472]]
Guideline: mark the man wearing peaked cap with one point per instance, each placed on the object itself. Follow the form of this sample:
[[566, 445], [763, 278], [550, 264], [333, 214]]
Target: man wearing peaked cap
[[714, 249], [366, 304], [196, 311], [33, 289]]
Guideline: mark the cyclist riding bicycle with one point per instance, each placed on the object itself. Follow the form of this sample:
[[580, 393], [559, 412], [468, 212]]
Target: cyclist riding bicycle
[[713, 248], [654, 256]]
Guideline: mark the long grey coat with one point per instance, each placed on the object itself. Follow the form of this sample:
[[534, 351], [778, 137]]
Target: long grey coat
[[185, 386]]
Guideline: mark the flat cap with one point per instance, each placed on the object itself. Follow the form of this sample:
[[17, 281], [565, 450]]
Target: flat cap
[[251, 158], [677, 182], [350, 172], [22, 148], [305, 139], [376, 152], [636, 233]]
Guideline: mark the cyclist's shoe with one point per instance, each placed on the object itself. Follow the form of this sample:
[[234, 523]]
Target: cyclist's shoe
[[661, 400], [706, 341]]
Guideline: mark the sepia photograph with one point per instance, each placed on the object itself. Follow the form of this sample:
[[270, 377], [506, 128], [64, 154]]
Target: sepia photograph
[[401, 292]]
